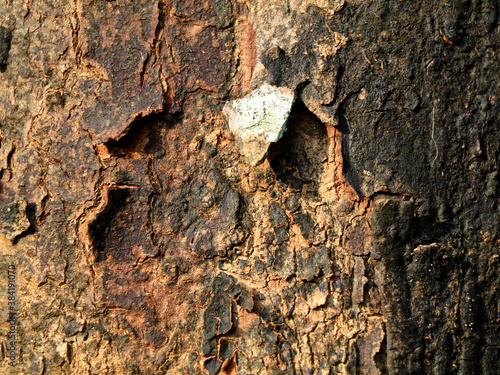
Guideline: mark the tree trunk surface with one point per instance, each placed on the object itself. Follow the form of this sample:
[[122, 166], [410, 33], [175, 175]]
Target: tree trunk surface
[[137, 238]]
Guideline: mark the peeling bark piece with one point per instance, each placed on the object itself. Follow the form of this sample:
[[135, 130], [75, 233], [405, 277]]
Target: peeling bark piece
[[117, 40], [306, 224], [284, 264], [195, 63], [72, 328], [319, 295], [223, 283], [292, 203], [213, 366], [370, 345], [120, 233], [359, 281], [307, 268], [220, 308], [359, 239], [226, 349], [210, 328], [209, 347], [13, 219], [277, 215], [311, 98], [5, 39], [259, 119], [245, 300]]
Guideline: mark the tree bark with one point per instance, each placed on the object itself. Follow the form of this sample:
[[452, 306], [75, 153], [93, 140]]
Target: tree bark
[[136, 239]]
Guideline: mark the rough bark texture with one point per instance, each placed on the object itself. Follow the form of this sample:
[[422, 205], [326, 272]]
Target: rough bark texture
[[366, 243]]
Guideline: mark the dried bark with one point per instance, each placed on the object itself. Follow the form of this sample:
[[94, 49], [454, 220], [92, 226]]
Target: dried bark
[[366, 243]]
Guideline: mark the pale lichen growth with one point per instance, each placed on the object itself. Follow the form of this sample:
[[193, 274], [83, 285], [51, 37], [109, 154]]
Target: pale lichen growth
[[259, 119]]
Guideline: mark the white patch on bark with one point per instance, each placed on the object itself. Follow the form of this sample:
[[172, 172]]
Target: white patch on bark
[[259, 119]]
